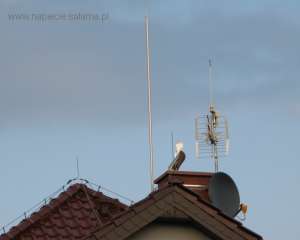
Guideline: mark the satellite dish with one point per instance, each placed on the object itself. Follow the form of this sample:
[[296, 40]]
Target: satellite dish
[[224, 194]]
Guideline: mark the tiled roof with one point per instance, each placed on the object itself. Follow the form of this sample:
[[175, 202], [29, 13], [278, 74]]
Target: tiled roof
[[82, 213], [72, 215], [171, 202]]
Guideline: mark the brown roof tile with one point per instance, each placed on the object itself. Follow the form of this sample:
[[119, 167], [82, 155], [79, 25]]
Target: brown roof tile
[[72, 215]]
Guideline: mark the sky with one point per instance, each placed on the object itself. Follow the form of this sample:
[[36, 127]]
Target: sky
[[77, 89]]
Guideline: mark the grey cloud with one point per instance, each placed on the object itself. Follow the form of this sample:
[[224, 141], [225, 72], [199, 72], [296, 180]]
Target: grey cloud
[[84, 71]]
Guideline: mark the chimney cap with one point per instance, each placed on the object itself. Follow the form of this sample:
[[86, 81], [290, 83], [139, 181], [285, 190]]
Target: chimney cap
[[182, 174]]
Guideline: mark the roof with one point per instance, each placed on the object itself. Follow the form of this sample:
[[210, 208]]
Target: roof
[[72, 215], [82, 213], [171, 202]]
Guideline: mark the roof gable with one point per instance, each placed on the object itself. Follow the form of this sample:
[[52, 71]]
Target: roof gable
[[173, 201], [72, 215]]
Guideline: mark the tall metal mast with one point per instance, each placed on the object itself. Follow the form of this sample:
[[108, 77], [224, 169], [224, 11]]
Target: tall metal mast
[[149, 85]]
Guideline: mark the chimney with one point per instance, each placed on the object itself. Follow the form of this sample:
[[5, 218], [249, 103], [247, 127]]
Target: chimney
[[195, 181]]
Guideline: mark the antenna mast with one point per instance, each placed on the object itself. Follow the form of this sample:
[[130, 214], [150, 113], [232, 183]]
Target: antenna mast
[[211, 99], [149, 85], [212, 120], [211, 131]]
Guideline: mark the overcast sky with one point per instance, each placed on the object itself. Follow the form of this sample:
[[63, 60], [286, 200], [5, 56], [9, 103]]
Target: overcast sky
[[78, 88]]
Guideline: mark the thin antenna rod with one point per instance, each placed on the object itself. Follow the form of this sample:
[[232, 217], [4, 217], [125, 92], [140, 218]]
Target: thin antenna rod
[[172, 146], [78, 171], [149, 105], [211, 99]]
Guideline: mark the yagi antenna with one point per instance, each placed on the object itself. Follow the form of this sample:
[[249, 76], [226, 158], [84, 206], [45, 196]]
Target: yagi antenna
[[211, 131], [151, 157]]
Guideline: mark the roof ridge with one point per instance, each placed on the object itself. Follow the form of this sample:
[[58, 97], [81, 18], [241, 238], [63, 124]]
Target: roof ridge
[[92, 205]]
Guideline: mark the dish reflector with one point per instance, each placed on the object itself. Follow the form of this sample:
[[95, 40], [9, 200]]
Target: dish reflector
[[224, 194]]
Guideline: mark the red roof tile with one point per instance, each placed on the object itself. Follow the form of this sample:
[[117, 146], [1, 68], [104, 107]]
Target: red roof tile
[[72, 215]]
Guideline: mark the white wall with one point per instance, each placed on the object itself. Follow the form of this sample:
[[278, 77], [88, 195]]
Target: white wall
[[169, 231]]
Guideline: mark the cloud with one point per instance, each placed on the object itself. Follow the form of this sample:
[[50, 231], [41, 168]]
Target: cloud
[[81, 71], [294, 109]]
